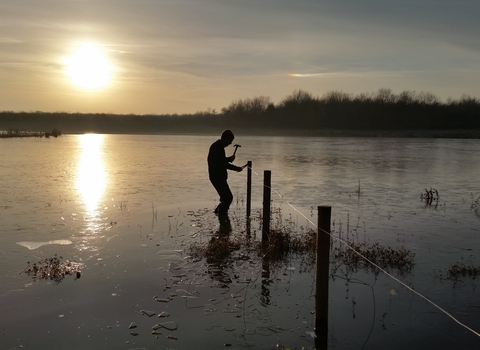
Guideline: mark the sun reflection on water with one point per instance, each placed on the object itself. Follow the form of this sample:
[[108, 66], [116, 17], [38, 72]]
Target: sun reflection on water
[[91, 178]]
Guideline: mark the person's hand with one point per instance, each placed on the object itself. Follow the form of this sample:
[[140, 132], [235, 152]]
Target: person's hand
[[239, 169], [230, 159]]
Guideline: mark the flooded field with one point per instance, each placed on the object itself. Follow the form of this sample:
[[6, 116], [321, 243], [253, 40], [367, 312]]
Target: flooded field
[[158, 269]]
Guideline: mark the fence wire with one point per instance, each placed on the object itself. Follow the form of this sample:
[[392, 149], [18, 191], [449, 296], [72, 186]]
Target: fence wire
[[373, 264]]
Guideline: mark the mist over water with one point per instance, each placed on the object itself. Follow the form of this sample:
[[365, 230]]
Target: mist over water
[[88, 189]]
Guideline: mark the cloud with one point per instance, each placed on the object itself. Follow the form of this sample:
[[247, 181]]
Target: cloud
[[308, 75], [7, 40], [216, 50]]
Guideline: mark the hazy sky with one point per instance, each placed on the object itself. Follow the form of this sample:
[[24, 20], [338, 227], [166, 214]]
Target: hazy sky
[[187, 56]]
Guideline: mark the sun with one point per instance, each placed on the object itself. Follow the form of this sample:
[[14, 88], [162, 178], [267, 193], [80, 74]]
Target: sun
[[88, 67]]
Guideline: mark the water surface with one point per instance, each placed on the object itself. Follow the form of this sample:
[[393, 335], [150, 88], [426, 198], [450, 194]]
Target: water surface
[[127, 202]]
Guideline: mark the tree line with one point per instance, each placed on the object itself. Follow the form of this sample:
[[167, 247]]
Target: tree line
[[299, 112]]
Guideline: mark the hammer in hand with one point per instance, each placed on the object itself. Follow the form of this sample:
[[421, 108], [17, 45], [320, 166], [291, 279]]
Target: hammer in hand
[[236, 147]]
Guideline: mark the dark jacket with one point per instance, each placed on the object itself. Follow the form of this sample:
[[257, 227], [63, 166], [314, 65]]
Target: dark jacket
[[218, 163]]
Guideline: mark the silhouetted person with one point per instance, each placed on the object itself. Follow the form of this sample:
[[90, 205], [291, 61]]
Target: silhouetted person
[[218, 164]]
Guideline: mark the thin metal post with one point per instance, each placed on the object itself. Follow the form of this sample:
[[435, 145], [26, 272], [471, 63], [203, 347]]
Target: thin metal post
[[249, 187], [267, 195], [322, 275]]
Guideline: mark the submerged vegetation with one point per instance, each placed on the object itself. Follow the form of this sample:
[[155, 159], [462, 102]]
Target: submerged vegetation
[[336, 113]]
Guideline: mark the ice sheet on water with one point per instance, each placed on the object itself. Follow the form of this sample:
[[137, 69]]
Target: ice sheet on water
[[36, 245]]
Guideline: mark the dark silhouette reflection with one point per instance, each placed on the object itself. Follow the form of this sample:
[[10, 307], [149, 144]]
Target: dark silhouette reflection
[[225, 225], [265, 297], [248, 228], [218, 255]]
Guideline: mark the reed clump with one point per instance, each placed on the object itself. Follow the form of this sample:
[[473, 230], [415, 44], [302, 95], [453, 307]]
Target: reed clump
[[475, 204], [288, 241], [359, 256], [430, 195], [460, 269], [54, 269], [354, 254]]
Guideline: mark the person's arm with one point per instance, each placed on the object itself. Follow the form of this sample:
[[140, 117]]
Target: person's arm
[[234, 167], [229, 164], [218, 159]]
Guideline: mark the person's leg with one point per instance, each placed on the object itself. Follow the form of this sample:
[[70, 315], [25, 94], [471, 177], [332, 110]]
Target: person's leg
[[226, 196]]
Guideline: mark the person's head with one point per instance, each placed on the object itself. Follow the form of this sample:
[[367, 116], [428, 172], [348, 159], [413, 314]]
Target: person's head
[[227, 137]]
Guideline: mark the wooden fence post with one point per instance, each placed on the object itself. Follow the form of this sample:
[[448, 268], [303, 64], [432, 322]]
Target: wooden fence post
[[322, 276], [249, 188], [267, 195]]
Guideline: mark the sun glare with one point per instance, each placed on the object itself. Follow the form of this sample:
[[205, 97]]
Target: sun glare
[[88, 68], [91, 176]]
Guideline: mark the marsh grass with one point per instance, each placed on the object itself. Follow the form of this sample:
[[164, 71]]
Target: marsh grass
[[286, 243], [290, 242]]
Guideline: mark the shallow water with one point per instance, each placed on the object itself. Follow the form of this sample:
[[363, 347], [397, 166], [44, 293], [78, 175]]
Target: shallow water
[[126, 203]]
